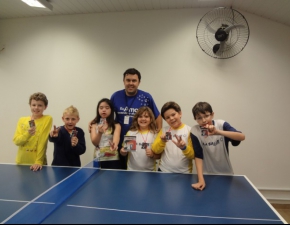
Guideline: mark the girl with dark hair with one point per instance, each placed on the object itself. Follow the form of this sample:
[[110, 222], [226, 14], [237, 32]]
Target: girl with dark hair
[[105, 135]]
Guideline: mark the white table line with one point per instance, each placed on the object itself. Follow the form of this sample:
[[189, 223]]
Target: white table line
[[168, 214], [20, 201]]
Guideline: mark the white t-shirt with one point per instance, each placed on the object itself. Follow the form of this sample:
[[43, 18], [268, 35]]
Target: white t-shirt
[[173, 159], [213, 149], [138, 160]]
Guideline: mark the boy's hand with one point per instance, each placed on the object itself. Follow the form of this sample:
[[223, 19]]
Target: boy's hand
[[211, 130], [123, 152], [199, 186], [32, 131], [149, 153], [54, 133], [163, 138], [36, 167], [74, 141], [179, 143]]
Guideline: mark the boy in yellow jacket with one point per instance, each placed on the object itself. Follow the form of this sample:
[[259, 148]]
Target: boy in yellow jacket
[[32, 134], [174, 142]]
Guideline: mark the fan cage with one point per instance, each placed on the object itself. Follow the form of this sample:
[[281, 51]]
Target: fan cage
[[215, 19]]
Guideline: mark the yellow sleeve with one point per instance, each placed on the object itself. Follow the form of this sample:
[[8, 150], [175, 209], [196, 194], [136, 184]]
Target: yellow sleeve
[[158, 145], [189, 151], [43, 139], [21, 135]]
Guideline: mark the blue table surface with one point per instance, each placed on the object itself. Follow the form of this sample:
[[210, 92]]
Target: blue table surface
[[107, 196]]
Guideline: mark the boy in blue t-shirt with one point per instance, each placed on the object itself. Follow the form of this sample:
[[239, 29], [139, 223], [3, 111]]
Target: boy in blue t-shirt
[[210, 139]]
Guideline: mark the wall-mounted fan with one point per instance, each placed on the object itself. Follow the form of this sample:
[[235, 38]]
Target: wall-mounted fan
[[223, 33]]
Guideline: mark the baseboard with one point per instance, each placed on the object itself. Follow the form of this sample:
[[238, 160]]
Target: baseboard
[[281, 206], [276, 196]]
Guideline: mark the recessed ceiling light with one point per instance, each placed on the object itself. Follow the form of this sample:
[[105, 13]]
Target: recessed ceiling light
[[39, 4]]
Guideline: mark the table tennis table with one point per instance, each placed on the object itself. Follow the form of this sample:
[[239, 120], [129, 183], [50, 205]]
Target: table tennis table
[[63, 195]]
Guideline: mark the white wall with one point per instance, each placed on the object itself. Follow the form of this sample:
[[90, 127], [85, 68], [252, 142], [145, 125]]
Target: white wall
[[80, 59]]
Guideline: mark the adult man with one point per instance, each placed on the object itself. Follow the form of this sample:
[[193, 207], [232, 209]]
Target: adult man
[[126, 103]]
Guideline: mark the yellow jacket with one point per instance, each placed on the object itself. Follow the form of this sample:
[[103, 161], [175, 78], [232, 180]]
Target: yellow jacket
[[32, 149]]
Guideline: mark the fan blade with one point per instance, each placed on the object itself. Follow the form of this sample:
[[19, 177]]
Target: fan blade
[[215, 48], [218, 48], [210, 29], [228, 29]]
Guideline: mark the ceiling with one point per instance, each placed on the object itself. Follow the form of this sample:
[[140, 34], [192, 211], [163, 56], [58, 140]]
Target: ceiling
[[276, 10]]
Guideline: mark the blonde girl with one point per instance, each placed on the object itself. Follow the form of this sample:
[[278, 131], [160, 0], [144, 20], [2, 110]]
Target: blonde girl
[[144, 129]]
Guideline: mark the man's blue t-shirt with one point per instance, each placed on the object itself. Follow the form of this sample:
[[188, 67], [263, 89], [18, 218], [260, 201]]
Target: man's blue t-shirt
[[128, 105]]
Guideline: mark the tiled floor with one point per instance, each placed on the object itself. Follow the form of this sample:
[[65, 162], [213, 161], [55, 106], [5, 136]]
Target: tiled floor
[[284, 211]]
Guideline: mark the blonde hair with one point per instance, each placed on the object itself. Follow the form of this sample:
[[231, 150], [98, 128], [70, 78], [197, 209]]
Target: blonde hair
[[38, 97], [71, 110], [140, 112]]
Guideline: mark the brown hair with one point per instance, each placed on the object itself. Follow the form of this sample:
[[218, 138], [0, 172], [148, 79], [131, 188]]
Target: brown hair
[[170, 105], [38, 97], [201, 107], [140, 112]]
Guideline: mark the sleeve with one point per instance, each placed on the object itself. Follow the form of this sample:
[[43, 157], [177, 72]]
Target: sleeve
[[153, 106], [115, 103], [80, 148], [112, 98], [228, 127], [196, 146], [21, 136], [55, 139], [158, 145], [189, 152], [42, 143]]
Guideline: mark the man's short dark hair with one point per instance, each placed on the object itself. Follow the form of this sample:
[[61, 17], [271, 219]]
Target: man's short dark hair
[[132, 71]]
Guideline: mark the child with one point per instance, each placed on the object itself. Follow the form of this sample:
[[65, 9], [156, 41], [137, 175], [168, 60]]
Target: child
[[210, 139], [32, 132], [174, 142], [144, 129], [69, 140], [105, 135]]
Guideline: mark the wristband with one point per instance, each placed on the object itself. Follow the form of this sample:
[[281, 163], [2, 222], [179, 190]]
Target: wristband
[[184, 148]]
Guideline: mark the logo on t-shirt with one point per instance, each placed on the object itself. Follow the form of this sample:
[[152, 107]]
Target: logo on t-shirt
[[131, 111], [213, 143], [143, 99]]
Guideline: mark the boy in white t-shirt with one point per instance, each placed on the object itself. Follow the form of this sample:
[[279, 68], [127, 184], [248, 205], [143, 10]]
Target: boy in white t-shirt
[[174, 142], [210, 139]]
